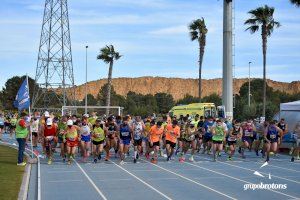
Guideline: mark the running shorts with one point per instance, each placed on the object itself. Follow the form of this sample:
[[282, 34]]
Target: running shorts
[[231, 142], [72, 143], [217, 142], [98, 142], [246, 139], [33, 133], [154, 144], [1, 126], [137, 142], [172, 144], [86, 138], [125, 142], [207, 138]]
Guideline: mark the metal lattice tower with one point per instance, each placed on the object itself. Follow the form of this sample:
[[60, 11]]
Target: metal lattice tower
[[54, 71]]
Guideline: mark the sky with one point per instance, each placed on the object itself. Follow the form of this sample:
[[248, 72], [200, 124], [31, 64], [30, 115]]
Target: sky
[[153, 37]]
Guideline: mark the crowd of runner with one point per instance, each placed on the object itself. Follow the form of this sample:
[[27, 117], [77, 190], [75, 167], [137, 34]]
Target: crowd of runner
[[92, 136]]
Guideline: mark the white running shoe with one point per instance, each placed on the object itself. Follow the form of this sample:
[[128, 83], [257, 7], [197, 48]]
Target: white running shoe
[[191, 159], [122, 162]]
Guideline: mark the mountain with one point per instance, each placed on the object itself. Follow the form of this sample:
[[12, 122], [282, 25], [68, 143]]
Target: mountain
[[177, 87]]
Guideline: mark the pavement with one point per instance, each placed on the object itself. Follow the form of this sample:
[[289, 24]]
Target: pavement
[[202, 179]]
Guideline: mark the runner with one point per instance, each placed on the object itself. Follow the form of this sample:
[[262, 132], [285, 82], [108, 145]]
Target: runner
[[248, 129], [183, 125], [138, 131], [155, 136], [13, 122], [189, 141], [61, 136], [259, 143], [207, 139], [234, 135], [284, 127], [34, 131], [111, 138], [199, 135], [172, 133], [219, 133], [1, 125], [72, 138], [162, 142], [296, 150], [98, 138], [125, 137], [145, 142], [49, 132], [85, 135], [271, 138]]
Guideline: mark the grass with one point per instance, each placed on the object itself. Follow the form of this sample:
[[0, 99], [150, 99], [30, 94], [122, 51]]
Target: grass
[[10, 174]]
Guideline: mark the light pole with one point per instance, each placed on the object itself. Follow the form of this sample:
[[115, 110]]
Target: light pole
[[249, 91], [86, 48]]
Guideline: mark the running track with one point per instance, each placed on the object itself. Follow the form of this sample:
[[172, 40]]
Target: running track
[[202, 179]]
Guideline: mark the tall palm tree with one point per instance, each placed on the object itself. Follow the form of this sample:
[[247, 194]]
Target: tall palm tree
[[108, 55], [296, 2], [262, 18], [198, 32]]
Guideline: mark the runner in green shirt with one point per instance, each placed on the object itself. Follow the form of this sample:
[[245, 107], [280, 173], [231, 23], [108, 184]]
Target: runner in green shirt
[[218, 138]]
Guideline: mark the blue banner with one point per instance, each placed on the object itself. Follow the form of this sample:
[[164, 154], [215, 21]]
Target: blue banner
[[22, 99]]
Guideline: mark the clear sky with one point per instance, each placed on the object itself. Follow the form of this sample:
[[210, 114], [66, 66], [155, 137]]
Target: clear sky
[[153, 37]]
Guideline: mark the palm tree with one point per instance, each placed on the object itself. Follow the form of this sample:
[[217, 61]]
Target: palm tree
[[296, 2], [198, 32], [108, 55], [262, 18]]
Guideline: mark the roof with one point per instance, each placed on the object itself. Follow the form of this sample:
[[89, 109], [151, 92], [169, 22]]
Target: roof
[[293, 106]]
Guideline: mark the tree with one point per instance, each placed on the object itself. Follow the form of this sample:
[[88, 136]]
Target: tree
[[164, 102], [198, 32], [213, 98], [91, 100], [109, 55], [115, 99], [188, 99], [9, 91], [262, 18], [295, 2]]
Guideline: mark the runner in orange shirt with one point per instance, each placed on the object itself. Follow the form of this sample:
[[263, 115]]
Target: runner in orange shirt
[[155, 136], [172, 133]]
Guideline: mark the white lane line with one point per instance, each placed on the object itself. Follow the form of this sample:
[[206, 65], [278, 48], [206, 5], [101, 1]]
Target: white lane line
[[225, 163], [57, 172], [64, 181], [160, 179], [90, 180], [275, 166], [116, 179], [237, 179], [159, 192], [190, 180]]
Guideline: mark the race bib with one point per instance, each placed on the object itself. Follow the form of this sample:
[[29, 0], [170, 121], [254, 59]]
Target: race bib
[[125, 134]]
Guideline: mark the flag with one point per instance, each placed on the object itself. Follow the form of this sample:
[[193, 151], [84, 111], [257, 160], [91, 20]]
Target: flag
[[22, 98]]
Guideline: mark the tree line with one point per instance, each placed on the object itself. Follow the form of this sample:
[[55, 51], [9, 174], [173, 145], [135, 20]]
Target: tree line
[[160, 103]]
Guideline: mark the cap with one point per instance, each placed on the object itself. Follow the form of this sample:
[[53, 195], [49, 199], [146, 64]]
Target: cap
[[86, 115], [49, 122], [69, 122], [47, 114]]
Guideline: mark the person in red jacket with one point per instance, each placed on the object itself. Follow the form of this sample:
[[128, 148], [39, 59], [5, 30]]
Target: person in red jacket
[[49, 132]]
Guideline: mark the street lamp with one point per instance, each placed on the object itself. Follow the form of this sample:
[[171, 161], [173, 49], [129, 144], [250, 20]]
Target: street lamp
[[249, 86], [86, 48]]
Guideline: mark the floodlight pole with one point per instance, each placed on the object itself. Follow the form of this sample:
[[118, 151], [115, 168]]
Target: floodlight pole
[[85, 110], [227, 95], [249, 91]]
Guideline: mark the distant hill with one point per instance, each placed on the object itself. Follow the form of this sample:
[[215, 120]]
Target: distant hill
[[177, 87]]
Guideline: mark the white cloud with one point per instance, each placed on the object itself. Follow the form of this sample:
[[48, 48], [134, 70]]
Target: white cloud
[[181, 29]]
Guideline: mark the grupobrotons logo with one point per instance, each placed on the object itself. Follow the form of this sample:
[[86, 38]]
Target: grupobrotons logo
[[264, 186]]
